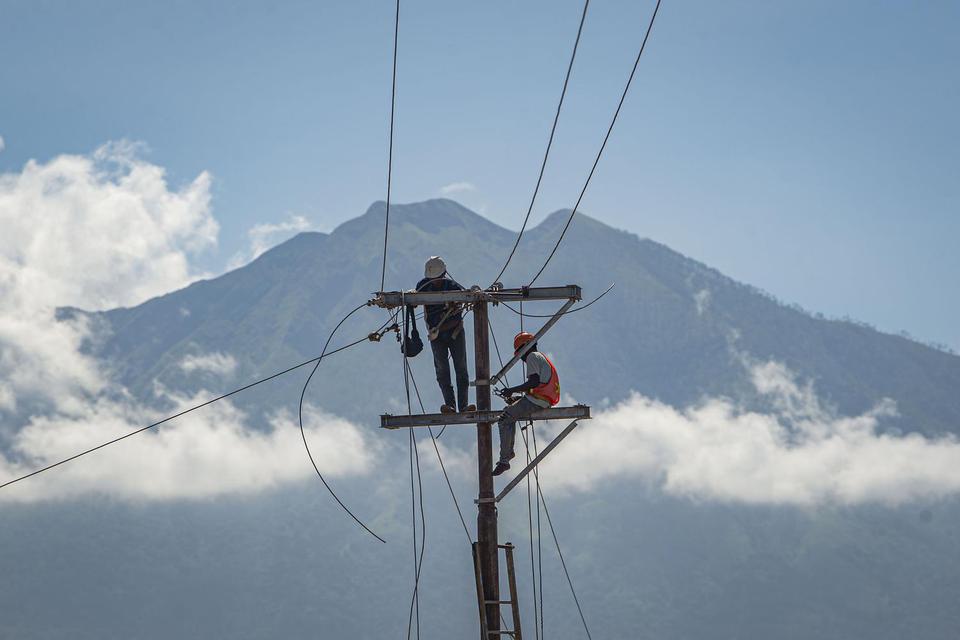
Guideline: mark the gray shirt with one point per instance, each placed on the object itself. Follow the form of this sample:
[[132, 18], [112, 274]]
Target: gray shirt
[[537, 364]]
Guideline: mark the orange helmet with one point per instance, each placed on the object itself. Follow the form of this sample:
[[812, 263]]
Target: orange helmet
[[521, 339]]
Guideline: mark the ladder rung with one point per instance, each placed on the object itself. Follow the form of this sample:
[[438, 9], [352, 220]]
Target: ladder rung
[[510, 602], [501, 633]]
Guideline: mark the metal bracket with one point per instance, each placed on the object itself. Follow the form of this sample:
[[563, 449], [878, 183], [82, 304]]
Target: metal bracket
[[525, 348], [533, 463]]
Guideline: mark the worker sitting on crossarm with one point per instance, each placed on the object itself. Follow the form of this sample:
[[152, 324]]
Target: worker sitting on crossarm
[[445, 331], [542, 392]]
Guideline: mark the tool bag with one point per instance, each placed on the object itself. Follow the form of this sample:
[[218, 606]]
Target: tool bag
[[411, 344]]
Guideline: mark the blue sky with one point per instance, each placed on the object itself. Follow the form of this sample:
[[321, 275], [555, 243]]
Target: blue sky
[[809, 148]]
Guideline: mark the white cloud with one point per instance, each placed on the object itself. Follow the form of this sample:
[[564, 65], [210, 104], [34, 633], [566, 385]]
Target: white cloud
[[702, 299], [801, 454], [264, 236], [221, 364], [3, 145], [206, 453], [457, 187], [94, 232], [98, 231]]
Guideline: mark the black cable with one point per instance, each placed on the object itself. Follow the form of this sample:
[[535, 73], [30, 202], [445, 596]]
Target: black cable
[[417, 564], [443, 468], [550, 315], [553, 130], [563, 563], [184, 412], [393, 104], [533, 437], [596, 161], [533, 570], [414, 451], [303, 433]]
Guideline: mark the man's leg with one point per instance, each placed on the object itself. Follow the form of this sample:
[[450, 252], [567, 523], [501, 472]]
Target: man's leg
[[442, 365], [458, 349], [508, 426]]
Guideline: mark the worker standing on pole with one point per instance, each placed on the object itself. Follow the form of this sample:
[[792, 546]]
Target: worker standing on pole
[[542, 391], [445, 331]]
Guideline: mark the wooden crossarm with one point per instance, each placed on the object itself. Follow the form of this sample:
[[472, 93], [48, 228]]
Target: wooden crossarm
[[576, 412], [391, 299]]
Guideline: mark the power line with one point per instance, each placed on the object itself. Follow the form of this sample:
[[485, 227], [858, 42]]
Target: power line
[[393, 105], [553, 130], [303, 433], [550, 315], [596, 161], [563, 562], [443, 468], [182, 413], [417, 563]]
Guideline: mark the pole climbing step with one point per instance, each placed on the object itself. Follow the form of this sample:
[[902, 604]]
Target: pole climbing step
[[485, 631]]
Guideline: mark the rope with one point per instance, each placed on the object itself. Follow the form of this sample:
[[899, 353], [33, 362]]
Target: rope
[[596, 161], [185, 411], [303, 433], [553, 130], [393, 104]]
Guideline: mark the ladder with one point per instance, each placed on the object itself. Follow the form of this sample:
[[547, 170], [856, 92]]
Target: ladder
[[485, 632]]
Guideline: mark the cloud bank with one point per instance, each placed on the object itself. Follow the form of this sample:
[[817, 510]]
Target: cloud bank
[[457, 187], [99, 231], [800, 454], [219, 364], [263, 236]]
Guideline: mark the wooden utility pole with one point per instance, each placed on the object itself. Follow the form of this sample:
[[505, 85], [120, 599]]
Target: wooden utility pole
[[486, 551], [486, 505]]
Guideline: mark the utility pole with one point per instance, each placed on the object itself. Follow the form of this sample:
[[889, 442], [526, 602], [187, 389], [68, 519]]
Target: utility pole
[[486, 551], [487, 542]]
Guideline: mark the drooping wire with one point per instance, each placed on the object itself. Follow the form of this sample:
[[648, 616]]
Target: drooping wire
[[186, 411], [414, 453], [303, 433], [536, 478], [417, 562], [553, 130], [533, 571], [533, 556], [550, 315], [606, 138], [556, 543], [393, 105], [443, 468]]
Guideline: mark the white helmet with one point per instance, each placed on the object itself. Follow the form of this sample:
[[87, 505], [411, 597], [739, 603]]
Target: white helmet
[[435, 267]]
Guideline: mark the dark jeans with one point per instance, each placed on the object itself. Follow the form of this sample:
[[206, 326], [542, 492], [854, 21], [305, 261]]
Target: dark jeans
[[519, 410], [457, 348]]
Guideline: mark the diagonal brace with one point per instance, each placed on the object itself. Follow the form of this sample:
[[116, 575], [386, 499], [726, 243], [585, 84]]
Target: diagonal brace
[[533, 463], [523, 350]]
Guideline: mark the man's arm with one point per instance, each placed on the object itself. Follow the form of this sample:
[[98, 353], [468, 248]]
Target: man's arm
[[533, 381]]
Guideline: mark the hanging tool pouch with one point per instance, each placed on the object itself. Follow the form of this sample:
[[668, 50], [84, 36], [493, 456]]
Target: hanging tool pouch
[[412, 344]]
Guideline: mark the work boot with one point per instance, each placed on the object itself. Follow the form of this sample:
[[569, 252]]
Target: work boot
[[447, 409], [501, 467], [470, 408]]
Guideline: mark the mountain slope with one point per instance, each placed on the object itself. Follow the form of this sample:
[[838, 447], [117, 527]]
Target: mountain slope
[[672, 328], [286, 563]]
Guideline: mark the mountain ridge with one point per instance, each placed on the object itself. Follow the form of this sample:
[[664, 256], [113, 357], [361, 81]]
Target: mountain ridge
[[673, 328]]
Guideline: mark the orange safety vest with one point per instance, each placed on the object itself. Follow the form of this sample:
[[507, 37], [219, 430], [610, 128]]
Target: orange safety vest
[[550, 390]]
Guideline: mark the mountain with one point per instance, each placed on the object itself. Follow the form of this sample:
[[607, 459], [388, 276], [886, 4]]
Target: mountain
[[672, 328], [288, 564]]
